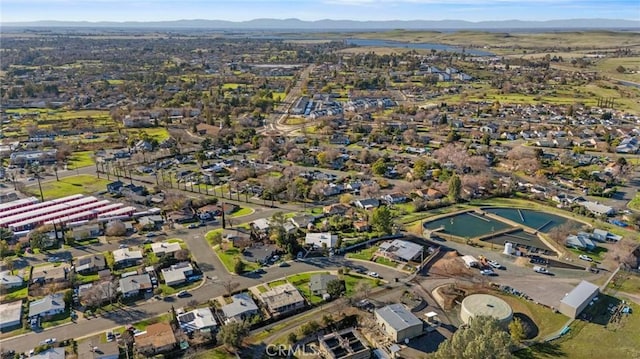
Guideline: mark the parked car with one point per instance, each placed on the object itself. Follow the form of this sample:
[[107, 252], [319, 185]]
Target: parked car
[[53, 259], [123, 246], [193, 226], [495, 264], [48, 341], [585, 257], [284, 264], [110, 336], [541, 270], [151, 235], [183, 293], [373, 275], [488, 272]]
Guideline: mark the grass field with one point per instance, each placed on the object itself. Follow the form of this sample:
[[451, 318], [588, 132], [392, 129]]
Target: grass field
[[81, 159], [14, 294], [592, 340], [159, 133], [277, 283], [228, 258], [609, 66], [548, 321], [69, 185], [243, 211], [635, 203]]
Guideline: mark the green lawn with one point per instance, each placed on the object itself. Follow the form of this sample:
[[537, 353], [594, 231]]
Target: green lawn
[[591, 340], [57, 320], [625, 282], [243, 211], [217, 353], [351, 282], [262, 289], [81, 159], [635, 202], [276, 283], [597, 254], [14, 294], [386, 262], [547, 321], [143, 324], [67, 186], [228, 258], [86, 278], [364, 254]]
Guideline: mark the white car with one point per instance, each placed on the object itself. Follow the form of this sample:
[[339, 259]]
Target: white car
[[48, 341], [374, 275], [495, 264], [585, 257], [488, 272]]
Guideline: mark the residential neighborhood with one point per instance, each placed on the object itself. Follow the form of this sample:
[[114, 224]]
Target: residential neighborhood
[[196, 194]]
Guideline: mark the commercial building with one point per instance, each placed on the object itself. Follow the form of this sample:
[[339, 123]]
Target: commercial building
[[579, 298], [398, 322]]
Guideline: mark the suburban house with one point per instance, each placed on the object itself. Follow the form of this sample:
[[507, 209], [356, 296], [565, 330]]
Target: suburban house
[[165, 248], [177, 273], [580, 241], [598, 209], [158, 338], [398, 323], [50, 274], [302, 221], [318, 283], [282, 299], [10, 315], [115, 187], [90, 264], [51, 353], [99, 292], [96, 349], [150, 223], [399, 250], [362, 226], [335, 209], [242, 307], [8, 280], [135, 284], [197, 320], [368, 203], [126, 257], [394, 198], [48, 306], [318, 239], [86, 231]]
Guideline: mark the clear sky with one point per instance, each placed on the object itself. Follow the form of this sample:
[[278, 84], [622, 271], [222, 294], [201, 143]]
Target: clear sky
[[238, 10]]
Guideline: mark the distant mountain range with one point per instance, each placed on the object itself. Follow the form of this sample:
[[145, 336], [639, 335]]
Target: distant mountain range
[[328, 25]]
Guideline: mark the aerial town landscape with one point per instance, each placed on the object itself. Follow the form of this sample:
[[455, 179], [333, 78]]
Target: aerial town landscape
[[248, 190]]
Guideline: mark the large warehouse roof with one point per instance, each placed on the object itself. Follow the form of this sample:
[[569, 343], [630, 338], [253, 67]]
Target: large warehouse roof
[[37, 205], [581, 293]]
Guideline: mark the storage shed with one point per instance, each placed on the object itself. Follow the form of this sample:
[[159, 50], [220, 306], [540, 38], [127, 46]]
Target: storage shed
[[574, 303]]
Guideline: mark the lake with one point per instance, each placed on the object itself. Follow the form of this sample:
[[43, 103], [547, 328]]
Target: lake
[[415, 45]]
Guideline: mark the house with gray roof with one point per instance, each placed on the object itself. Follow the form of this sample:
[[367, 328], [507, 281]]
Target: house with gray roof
[[398, 323], [8, 280], [165, 248], [579, 298], [90, 264], [242, 307], [200, 320], [177, 273], [399, 250], [126, 257], [48, 306], [135, 284], [318, 283], [10, 314], [51, 353]]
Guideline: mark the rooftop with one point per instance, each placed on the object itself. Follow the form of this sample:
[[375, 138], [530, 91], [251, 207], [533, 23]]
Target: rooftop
[[241, 303], [157, 336], [10, 312], [281, 296], [404, 250], [398, 316], [579, 294], [197, 319]]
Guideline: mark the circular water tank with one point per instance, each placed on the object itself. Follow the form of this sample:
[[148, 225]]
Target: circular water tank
[[487, 305], [508, 248]]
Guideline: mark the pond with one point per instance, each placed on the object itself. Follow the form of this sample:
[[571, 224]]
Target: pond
[[467, 225], [416, 45], [540, 221]]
